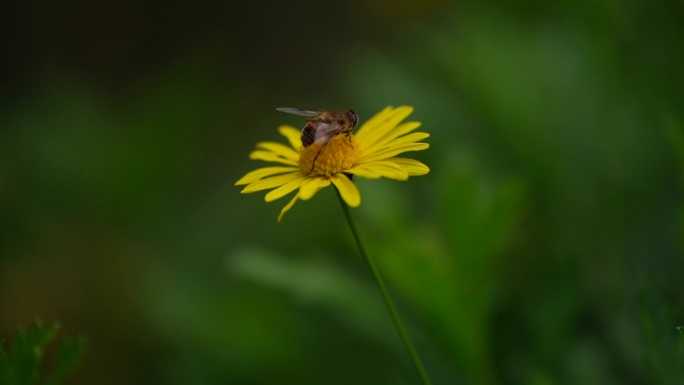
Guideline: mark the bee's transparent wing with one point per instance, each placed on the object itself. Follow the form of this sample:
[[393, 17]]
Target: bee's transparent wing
[[297, 111]]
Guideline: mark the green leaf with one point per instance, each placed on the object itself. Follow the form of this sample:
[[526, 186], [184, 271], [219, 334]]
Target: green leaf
[[22, 366], [39, 335], [70, 354], [6, 376], [22, 359]]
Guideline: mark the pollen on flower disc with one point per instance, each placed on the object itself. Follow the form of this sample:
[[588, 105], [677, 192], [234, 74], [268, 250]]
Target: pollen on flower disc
[[339, 154]]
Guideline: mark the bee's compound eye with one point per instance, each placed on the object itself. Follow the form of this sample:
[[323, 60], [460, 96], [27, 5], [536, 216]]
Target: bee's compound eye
[[352, 116]]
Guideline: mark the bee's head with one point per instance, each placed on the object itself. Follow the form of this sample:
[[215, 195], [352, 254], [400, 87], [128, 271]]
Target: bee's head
[[353, 118]]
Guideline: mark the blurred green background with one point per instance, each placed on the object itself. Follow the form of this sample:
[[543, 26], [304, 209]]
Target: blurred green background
[[545, 246]]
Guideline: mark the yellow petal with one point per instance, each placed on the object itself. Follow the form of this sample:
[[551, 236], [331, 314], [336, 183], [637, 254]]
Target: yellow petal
[[371, 123], [377, 120], [279, 149], [398, 131], [364, 172], [270, 182], [381, 168], [285, 189], [293, 136], [371, 133], [263, 172], [410, 138], [402, 129], [348, 190], [392, 151], [411, 166], [288, 207], [311, 187], [271, 157]]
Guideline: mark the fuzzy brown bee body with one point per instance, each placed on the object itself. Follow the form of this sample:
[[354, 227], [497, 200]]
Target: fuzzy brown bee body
[[323, 125]]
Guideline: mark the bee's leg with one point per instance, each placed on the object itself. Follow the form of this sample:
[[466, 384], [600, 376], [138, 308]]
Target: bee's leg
[[349, 143], [348, 136], [313, 164]]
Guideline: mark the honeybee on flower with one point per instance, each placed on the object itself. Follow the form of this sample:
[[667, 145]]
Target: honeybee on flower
[[325, 151], [322, 126]]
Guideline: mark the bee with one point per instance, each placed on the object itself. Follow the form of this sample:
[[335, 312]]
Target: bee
[[323, 125]]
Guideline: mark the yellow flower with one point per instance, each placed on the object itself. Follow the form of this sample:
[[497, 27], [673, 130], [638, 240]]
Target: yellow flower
[[370, 153]]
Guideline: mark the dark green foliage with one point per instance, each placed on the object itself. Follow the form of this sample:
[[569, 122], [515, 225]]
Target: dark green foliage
[[23, 363], [545, 247]]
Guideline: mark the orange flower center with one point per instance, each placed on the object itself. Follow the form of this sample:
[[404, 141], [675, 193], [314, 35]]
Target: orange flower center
[[339, 154]]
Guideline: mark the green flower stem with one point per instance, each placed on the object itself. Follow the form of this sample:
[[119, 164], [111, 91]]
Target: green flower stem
[[385, 295]]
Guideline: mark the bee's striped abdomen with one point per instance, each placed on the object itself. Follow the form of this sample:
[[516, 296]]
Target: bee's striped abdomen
[[308, 135]]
